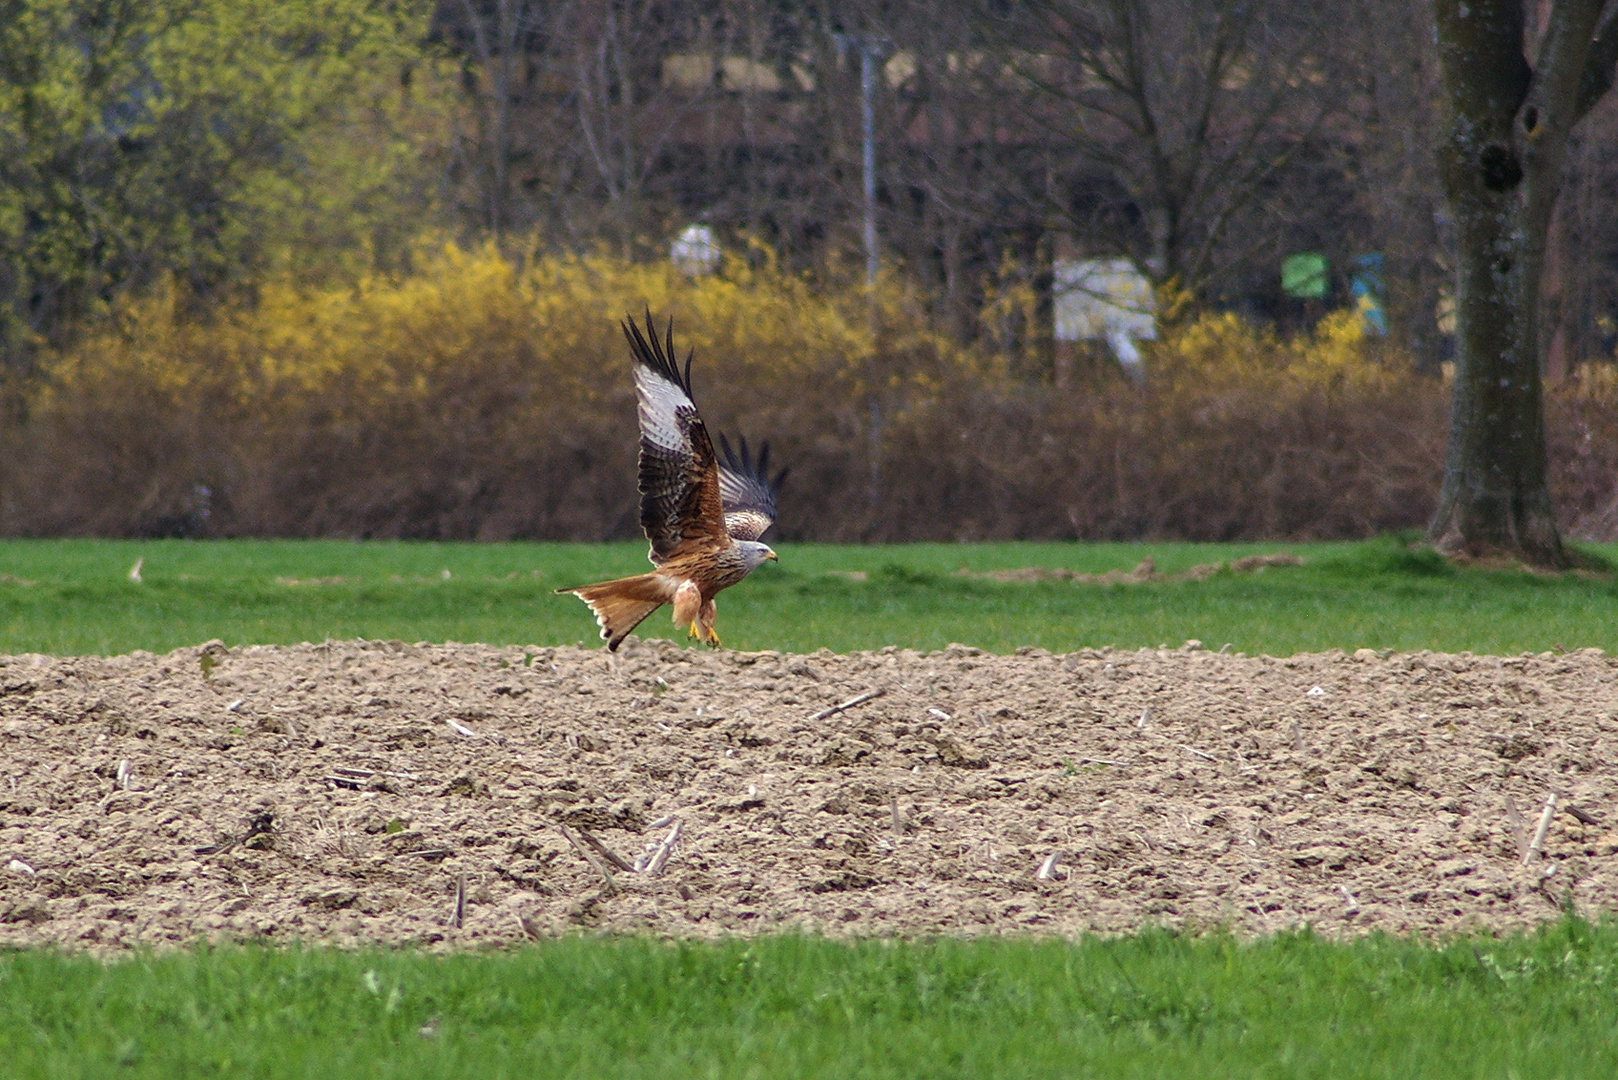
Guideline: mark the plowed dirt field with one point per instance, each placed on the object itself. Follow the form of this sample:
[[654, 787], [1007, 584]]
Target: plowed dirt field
[[348, 792]]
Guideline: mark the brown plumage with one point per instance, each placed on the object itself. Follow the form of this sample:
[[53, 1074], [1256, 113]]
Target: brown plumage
[[703, 518]]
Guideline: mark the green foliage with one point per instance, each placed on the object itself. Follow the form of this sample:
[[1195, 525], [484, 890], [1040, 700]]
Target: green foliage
[[1156, 1004], [142, 139], [75, 596]]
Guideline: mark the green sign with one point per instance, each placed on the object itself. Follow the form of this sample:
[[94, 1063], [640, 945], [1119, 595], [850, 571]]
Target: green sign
[[1306, 275]]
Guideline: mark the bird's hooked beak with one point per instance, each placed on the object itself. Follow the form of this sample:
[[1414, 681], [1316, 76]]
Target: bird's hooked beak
[[772, 556]]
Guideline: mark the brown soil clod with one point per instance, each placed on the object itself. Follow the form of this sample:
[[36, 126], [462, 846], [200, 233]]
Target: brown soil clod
[[879, 793]]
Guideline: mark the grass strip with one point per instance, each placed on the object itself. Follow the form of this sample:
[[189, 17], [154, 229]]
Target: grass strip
[[1156, 1004], [75, 596]]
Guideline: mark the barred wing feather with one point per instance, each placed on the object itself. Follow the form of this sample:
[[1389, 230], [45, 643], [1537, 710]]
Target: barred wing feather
[[746, 489], [680, 500]]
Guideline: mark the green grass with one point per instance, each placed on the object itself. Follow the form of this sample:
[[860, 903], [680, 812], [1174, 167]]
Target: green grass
[[1153, 1005], [1150, 1005], [1374, 594]]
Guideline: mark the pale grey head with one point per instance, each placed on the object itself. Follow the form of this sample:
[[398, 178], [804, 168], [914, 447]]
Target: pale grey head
[[754, 554]]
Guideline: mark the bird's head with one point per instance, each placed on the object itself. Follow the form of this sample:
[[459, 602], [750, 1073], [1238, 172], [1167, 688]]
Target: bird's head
[[755, 554]]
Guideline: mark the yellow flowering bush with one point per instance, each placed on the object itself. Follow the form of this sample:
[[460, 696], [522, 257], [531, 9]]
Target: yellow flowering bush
[[478, 396], [465, 310], [486, 397], [1221, 351]]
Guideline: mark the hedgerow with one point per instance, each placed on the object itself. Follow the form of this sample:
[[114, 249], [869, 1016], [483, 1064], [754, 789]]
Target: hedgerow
[[485, 398]]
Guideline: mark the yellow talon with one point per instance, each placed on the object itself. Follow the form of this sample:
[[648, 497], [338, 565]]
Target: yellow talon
[[693, 631], [713, 637]]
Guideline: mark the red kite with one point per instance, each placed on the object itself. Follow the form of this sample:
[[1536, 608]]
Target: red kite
[[703, 518]]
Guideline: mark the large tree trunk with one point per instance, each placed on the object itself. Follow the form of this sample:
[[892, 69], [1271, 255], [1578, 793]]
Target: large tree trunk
[[1502, 170], [1496, 496]]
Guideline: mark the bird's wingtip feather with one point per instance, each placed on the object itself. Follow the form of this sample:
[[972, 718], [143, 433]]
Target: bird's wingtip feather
[[657, 353]]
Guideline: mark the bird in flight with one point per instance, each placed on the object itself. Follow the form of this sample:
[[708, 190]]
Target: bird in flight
[[703, 516]]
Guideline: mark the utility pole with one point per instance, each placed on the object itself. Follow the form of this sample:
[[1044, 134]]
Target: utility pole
[[871, 50], [867, 94]]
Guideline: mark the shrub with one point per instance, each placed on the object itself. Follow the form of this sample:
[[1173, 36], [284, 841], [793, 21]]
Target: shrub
[[481, 399], [1239, 434], [473, 399]]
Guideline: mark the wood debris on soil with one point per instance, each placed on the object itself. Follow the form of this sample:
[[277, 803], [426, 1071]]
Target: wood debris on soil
[[707, 793]]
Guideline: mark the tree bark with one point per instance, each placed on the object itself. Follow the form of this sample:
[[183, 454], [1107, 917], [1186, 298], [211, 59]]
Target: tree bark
[[1502, 170]]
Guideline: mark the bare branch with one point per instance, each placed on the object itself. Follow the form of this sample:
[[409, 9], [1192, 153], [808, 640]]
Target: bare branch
[[1596, 79]]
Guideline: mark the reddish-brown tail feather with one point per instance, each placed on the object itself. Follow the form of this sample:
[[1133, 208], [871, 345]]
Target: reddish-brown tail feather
[[622, 605]]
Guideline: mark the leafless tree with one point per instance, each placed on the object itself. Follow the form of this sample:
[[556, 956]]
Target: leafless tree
[[1580, 291], [1204, 140], [1395, 117], [1193, 111], [497, 32]]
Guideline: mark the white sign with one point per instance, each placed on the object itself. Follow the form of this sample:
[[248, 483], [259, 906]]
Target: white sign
[[1103, 298], [695, 251], [1110, 299]]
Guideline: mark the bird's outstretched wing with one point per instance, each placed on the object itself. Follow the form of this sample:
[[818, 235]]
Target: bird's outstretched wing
[[680, 504], [747, 489]]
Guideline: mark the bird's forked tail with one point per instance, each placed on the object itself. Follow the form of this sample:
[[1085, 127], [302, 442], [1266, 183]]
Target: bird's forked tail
[[622, 605]]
